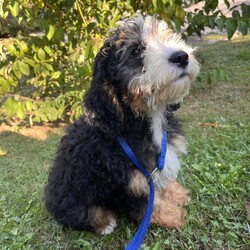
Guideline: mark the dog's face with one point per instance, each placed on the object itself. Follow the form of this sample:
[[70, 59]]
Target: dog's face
[[152, 62], [142, 65]]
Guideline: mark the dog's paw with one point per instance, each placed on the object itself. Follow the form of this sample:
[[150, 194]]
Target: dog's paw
[[103, 220], [109, 228], [169, 215], [167, 212], [176, 193]]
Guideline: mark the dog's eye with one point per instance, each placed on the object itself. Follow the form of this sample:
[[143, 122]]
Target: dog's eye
[[135, 53]]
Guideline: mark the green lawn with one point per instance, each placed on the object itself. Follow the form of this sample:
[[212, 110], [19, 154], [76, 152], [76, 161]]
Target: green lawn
[[216, 118]]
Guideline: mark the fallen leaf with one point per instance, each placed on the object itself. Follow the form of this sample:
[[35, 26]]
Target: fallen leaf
[[208, 125], [2, 152]]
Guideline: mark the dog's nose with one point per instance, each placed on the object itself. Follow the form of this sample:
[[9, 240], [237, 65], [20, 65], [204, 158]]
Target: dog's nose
[[180, 58]]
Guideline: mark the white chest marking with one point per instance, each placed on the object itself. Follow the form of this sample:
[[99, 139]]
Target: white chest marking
[[157, 126], [172, 164]]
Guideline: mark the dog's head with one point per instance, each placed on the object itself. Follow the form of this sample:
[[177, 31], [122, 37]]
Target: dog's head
[[143, 66]]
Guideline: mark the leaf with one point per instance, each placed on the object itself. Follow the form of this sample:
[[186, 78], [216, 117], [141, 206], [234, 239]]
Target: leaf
[[16, 70], [48, 50], [212, 125], [2, 152], [210, 5], [56, 75], [89, 50], [5, 72], [220, 23], [3, 13], [34, 47], [75, 106], [14, 8], [29, 61], [42, 23], [75, 56], [83, 71], [154, 2], [226, 2], [211, 22], [51, 31], [242, 27], [38, 69], [49, 67], [12, 49], [51, 114], [59, 34], [177, 24], [4, 84], [29, 105], [90, 27], [35, 119], [180, 13], [24, 68], [231, 26], [10, 106], [41, 54], [23, 47], [20, 110], [245, 10], [45, 72], [44, 118], [235, 14], [12, 82]]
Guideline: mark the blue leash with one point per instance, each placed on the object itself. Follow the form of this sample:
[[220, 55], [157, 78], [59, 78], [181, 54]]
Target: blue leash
[[137, 240]]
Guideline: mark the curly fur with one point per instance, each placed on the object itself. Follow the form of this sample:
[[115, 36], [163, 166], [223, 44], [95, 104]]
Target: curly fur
[[92, 179]]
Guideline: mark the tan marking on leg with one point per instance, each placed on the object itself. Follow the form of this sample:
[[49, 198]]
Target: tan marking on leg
[[138, 185], [168, 207], [103, 220]]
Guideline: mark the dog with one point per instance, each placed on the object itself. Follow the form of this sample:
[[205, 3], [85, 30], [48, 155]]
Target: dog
[[142, 71]]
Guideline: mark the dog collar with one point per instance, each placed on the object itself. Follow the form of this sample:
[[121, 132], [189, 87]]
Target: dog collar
[[174, 107], [137, 240]]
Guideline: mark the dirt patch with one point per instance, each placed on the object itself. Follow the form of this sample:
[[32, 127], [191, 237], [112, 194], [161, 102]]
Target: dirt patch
[[36, 132]]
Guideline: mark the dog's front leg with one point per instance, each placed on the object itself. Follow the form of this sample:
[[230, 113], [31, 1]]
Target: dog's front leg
[[168, 206]]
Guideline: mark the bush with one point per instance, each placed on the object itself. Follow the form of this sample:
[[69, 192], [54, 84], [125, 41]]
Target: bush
[[48, 47]]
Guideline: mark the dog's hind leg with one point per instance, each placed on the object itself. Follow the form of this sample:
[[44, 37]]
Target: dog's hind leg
[[81, 217]]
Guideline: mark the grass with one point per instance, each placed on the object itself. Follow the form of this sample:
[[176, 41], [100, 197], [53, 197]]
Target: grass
[[216, 170]]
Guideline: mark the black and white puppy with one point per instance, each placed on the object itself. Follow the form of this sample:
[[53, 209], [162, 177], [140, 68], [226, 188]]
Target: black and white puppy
[[140, 73]]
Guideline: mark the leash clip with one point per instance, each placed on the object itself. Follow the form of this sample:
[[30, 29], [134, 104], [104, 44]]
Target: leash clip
[[152, 173]]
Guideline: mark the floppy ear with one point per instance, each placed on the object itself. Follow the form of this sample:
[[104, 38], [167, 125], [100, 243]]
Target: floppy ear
[[102, 106]]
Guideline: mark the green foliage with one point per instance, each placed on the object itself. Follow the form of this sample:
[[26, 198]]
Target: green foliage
[[48, 47], [211, 17]]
